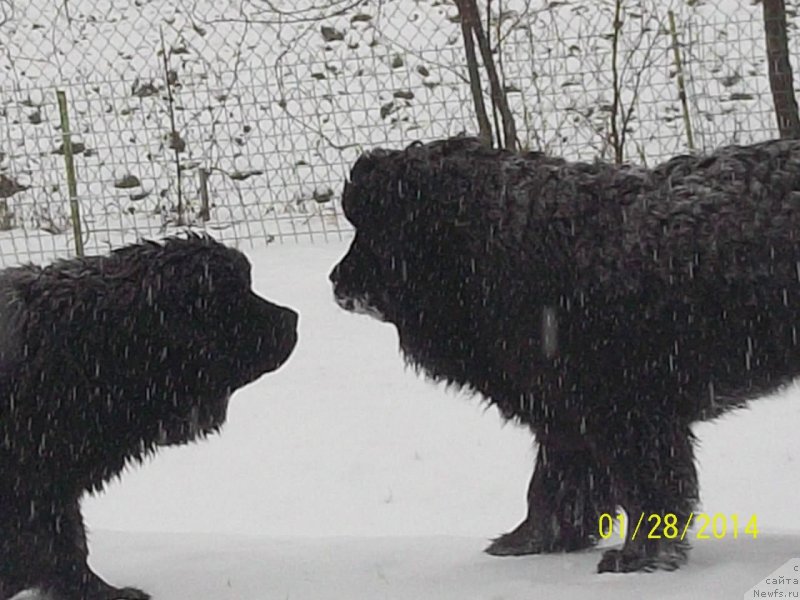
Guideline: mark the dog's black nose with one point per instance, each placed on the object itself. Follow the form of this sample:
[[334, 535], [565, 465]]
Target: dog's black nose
[[291, 317]]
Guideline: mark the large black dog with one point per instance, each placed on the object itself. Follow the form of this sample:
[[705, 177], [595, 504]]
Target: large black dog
[[101, 360], [605, 307]]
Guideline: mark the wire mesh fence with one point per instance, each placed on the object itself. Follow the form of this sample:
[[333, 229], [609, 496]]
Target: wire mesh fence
[[243, 117]]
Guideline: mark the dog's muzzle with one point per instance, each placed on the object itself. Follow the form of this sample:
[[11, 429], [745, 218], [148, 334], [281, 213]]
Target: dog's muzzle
[[193, 426], [361, 306]]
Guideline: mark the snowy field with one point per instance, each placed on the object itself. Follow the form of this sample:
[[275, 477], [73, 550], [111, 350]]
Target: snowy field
[[344, 476]]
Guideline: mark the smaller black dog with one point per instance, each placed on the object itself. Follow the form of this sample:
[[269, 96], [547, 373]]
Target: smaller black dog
[[101, 360]]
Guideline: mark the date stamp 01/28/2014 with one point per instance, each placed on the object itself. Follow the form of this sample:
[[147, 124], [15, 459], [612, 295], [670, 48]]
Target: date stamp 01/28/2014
[[669, 526]]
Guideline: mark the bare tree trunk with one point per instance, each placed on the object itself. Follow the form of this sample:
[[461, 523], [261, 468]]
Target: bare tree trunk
[[484, 127], [471, 25], [780, 69], [619, 150], [498, 93]]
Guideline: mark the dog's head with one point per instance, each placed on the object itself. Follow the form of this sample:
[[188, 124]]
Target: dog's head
[[408, 263], [373, 277], [152, 339], [215, 334]]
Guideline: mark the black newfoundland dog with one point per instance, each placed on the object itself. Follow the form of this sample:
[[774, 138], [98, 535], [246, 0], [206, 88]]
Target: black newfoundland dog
[[101, 360], [605, 307]]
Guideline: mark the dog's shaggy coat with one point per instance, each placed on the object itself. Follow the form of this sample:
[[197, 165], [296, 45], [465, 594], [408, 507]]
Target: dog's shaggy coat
[[101, 360], [606, 307]]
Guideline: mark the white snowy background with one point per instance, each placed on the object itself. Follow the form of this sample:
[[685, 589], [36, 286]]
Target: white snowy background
[[345, 476]]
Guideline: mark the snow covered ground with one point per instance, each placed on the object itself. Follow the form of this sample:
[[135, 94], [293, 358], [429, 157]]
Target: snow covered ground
[[345, 476]]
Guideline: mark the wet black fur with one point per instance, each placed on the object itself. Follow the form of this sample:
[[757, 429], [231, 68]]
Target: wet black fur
[[605, 307], [101, 360]]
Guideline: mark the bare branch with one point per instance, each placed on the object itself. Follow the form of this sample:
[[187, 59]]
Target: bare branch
[[469, 13], [173, 134], [289, 17], [647, 61], [615, 104], [484, 128], [780, 68]]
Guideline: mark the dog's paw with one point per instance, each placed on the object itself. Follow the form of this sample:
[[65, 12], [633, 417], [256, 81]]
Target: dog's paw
[[527, 539], [663, 557]]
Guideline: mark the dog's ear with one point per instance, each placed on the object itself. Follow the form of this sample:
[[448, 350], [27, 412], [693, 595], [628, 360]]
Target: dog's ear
[[368, 190], [364, 168]]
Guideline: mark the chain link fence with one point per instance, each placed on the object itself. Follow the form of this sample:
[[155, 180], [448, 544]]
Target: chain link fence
[[242, 117]]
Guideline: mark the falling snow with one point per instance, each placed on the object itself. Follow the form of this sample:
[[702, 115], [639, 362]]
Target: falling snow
[[333, 480]]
